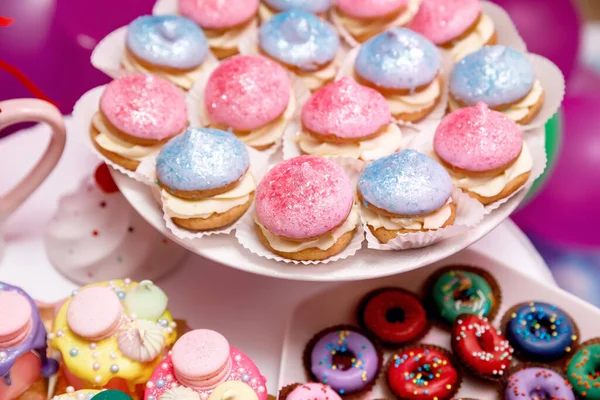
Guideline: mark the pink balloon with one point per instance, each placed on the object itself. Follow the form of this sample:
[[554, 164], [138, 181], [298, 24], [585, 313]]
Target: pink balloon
[[567, 210], [550, 28]]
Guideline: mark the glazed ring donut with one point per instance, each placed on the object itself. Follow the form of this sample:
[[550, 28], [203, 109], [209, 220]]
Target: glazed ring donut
[[480, 347], [540, 331], [393, 315], [582, 370], [534, 381], [431, 371]]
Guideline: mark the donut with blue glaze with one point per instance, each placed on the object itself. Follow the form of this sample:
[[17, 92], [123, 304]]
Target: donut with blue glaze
[[398, 61], [299, 40], [540, 331], [167, 42]]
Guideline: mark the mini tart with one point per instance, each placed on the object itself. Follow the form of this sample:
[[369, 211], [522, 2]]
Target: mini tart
[[461, 289], [405, 67], [484, 153], [501, 77], [350, 120], [223, 22], [348, 359], [307, 391], [540, 331], [251, 96], [304, 209], [363, 19], [530, 379], [169, 46], [304, 44], [480, 347], [417, 202], [423, 371], [202, 363], [128, 127], [459, 26], [582, 370], [268, 8], [90, 326], [204, 179], [393, 315]]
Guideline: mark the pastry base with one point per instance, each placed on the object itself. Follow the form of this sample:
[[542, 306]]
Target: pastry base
[[215, 221], [124, 162], [533, 111], [509, 189], [195, 195]]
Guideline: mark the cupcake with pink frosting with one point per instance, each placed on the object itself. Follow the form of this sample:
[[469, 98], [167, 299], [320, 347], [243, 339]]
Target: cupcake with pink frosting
[[346, 119], [224, 21], [136, 115], [252, 97], [23, 348], [203, 365], [459, 26], [484, 152], [363, 19], [305, 209]]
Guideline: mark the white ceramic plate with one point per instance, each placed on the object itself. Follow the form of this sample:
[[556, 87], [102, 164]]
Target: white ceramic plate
[[341, 304], [365, 264]]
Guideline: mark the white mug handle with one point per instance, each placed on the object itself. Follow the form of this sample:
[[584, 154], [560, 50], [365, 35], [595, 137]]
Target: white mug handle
[[32, 110]]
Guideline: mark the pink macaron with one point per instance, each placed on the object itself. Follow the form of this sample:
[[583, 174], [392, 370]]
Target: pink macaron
[[247, 92], [144, 108], [367, 9], [346, 110], [304, 197], [218, 14], [15, 318], [95, 313], [477, 139], [442, 21]]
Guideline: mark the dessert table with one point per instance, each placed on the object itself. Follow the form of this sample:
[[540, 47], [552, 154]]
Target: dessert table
[[252, 311]]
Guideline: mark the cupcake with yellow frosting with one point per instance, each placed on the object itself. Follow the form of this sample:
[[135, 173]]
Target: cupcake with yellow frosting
[[112, 335]]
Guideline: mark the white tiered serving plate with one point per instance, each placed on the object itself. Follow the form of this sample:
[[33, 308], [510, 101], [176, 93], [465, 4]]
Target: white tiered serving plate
[[366, 264], [341, 301]]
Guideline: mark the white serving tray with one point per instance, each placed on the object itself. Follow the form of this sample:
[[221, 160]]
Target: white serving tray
[[338, 305], [366, 264]]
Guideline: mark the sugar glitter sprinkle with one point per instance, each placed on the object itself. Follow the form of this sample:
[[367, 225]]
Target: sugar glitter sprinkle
[[405, 183], [202, 159]]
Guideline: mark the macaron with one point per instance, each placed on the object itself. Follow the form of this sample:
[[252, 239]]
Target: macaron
[[95, 313], [15, 318]]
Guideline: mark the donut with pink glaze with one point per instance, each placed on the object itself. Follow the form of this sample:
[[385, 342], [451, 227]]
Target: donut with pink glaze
[[304, 197], [345, 111], [477, 139], [200, 361], [144, 109], [218, 14], [247, 92], [369, 9], [442, 21]]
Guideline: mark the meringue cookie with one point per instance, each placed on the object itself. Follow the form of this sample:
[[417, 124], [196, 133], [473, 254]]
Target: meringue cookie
[[142, 340], [180, 393], [146, 301]]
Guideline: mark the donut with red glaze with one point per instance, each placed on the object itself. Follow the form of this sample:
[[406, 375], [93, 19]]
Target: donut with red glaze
[[480, 347]]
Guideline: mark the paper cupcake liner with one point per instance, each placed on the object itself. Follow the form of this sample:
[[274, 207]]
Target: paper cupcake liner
[[534, 138], [165, 7], [199, 116], [469, 213], [439, 110], [147, 170], [83, 111], [108, 53], [246, 235]]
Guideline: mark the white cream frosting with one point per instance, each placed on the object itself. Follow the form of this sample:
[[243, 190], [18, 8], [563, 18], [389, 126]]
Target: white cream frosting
[[220, 203], [434, 220], [184, 80], [264, 12], [78, 395], [229, 38], [491, 186], [360, 28], [271, 132], [388, 142], [480, 36], [314, 80], [519, 110], [109, 141], [324, 242], [414, 102]]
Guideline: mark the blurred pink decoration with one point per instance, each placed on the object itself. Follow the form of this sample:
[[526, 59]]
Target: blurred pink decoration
[[549, 27], [567, 210], [584, 80]]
